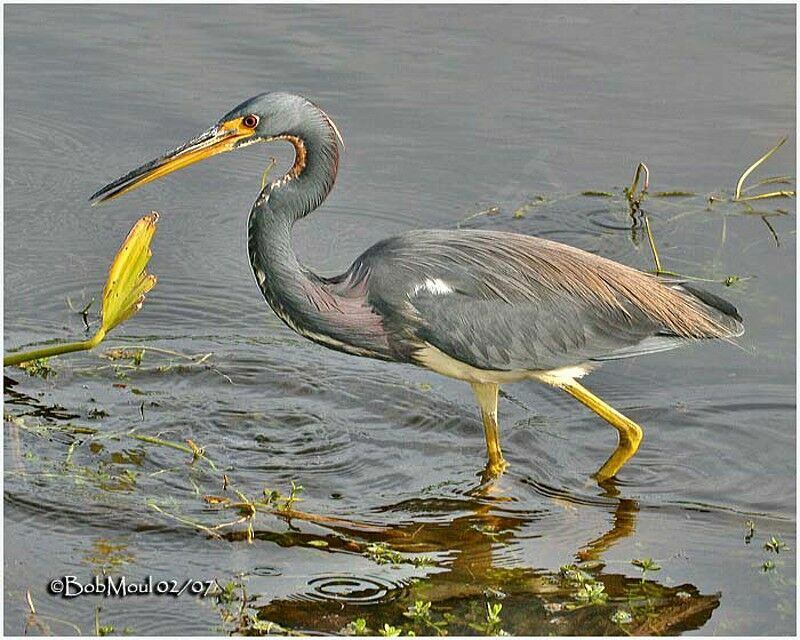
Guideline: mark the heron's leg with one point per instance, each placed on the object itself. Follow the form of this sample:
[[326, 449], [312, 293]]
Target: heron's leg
[[630, 433], [486, 394]]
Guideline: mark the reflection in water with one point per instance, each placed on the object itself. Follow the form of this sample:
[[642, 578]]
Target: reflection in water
[[579, 599]]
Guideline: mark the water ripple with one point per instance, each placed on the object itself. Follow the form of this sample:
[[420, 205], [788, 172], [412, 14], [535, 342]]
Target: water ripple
[[352, 589]]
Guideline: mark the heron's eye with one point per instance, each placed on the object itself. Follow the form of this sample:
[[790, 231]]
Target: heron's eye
[[251, 121]]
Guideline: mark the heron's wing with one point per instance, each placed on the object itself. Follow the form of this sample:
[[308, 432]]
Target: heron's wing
[[527, 336], [505, 301]]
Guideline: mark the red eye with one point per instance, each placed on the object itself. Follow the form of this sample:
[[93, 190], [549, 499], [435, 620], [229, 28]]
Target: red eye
[[251, 121]]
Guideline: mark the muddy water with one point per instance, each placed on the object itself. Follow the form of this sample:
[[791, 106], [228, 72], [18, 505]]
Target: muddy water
[[446, 112]]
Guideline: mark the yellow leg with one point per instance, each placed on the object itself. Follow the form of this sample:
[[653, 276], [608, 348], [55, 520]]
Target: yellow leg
[[486, 394], [630, 433]]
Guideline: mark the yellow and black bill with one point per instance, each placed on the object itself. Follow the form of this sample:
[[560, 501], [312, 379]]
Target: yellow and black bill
[[222, 137]]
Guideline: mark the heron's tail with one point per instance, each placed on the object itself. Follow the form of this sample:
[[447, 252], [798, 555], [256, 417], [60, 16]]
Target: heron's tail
[[720, 320], [722, 312]]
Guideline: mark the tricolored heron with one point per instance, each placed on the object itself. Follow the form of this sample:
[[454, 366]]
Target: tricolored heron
[[486, 307]]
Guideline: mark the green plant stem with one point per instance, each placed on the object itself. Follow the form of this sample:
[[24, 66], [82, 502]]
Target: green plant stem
[[642, 167], [764, 196], [172, 445], [737, 196], [55, 350], [652, 241]]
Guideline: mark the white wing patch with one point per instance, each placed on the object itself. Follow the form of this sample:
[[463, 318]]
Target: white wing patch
[[436, 286]]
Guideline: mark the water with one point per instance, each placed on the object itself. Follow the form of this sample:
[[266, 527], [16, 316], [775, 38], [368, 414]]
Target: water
[[445, 111]]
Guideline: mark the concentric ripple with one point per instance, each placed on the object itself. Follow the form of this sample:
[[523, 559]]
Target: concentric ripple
[[351, 589]]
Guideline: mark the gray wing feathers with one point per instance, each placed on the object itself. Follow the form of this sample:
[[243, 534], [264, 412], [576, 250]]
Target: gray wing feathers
[[522, 336], [505, 301]]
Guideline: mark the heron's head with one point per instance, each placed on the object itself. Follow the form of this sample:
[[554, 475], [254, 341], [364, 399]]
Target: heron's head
[[266, 117]]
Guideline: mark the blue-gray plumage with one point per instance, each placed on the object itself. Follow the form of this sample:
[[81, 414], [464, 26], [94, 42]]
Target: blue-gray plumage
[[484, 307]]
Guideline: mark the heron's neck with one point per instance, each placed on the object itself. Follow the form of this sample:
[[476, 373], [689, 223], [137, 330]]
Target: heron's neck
[[280, 204], [279, 275], [338, 318], [310, 179]]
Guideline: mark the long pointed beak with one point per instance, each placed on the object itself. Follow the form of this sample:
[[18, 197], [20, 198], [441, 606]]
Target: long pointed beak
[[218, 139]]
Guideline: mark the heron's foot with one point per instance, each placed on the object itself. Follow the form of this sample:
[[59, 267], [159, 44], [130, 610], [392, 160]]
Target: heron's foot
[[491, 485], [495, 468], [602, 478], [493, 471]]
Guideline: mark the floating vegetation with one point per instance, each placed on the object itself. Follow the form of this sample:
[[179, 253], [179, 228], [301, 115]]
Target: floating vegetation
[[101, 630], [388, 631], [597, 194], [129, 360], [190, 447], [379, 553], [525, 208], [421, 619], [621, 617], [37, 621], [575, 599], [635, 195], [645, 565], [320, 544], [441, 600], [592, 593], [357, 627], [84, 312], [491, 626], [673, 194], [750, 527], [123, 296], [489, 211], [775, 544], [134, 355], [231, 600], [38, 367], [642, 204]]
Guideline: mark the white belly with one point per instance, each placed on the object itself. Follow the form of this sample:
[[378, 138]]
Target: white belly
[[432, 358]]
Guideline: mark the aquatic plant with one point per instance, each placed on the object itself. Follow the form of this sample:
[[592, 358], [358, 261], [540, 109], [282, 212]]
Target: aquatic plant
[[740, 189], [123, 296]]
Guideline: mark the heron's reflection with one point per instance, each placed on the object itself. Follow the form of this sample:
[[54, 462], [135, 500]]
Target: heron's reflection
[[535, 601]]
